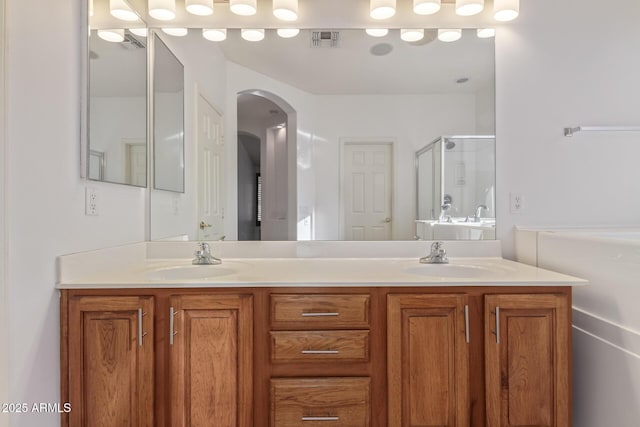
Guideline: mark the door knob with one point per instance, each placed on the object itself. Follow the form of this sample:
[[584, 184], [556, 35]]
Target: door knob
[[204, 225], [387, 220]]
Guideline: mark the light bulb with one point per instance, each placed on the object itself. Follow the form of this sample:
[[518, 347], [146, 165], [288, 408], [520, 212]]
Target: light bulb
[[426, 7], [469, 7], [377, 32], [120, 9], [382, 9], [286, 10], [412, 35], [506, 10], [176, 31], [485, 33], [287, 33], [449, 34], [113, 35], [199, 7], [162, 10], [252, 34], [214, 34], [243, 7]]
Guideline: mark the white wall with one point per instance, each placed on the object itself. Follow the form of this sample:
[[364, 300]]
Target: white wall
[[4, 318], [45, 196], [568, 63]]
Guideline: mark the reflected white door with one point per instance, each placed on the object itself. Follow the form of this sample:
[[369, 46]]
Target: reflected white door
[[367, 191], [135, 159], [211, 183]]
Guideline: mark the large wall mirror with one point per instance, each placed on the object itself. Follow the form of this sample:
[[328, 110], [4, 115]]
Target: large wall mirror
[[317, 137], [116, 149]]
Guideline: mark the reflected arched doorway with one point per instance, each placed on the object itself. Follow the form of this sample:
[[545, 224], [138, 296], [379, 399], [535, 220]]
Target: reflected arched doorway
[[266, 167]]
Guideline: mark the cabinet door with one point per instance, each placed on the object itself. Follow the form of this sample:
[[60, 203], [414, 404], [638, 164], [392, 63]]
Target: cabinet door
[[111, 361], [527, 360], [427, 360], [211, 360]]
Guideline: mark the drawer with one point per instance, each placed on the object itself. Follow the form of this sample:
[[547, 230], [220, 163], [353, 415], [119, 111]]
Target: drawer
[[319, 346], [320, 311], [336, 402]]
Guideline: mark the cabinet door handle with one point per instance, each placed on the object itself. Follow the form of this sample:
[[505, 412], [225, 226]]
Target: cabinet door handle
[[466, 323], [172, 332], [141, 334], [320, 418], [320, 352], [325, 314], [497, 325]]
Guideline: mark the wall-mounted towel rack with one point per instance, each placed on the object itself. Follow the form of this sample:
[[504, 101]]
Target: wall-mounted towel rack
[[571, 131]]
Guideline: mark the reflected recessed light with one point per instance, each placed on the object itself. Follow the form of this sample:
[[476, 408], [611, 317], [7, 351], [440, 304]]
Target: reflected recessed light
[[114, 35], [377, 32], [411, 34], [506, 10], [199, 7], [243, 7], [176, 32], [141, 32], [214, 34], [162, 10], [485, 33], [252, 34], [449, 34], [462, 80], [381, 49], [382, 9], [286, 10], [287, 33], [121, 10], [426, 7], [469, 7]]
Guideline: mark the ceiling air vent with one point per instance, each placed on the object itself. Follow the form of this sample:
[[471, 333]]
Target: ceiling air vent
[[325, 39]]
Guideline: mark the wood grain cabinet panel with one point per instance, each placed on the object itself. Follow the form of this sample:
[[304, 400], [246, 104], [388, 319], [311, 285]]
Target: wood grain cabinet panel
[[111, 356], [318, 346], [526, 357], [211, 361], [427, 361], [309, 311], [340, 402]]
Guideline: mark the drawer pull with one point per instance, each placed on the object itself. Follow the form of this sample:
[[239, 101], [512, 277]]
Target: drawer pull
[[320, 418], [320, 314], [320, 352]]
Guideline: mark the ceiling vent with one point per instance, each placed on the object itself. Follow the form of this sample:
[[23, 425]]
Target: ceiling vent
[[325, 39]]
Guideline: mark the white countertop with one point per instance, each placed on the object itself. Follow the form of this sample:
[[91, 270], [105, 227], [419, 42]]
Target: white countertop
[[270, 272]]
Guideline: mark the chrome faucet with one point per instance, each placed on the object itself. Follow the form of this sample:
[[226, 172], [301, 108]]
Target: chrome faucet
[[476, 217], [443, 212], [204, 257], [437, 255]]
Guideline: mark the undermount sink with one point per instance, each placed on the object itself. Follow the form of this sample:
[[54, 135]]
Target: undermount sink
[[189, 272], [457, 271]]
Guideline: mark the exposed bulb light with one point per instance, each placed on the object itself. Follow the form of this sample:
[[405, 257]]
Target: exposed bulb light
[[412, 35], [449, 34], [141, 32], [377, 32], [243, 7], [120, 9], [287, 33], [286, 10], [426, 7], [382, 9], [486, 33], [114, 35], [162, 10], [252, 34], [506, 10], [176, 31], [214, 34], [199, 7], [469, 7]]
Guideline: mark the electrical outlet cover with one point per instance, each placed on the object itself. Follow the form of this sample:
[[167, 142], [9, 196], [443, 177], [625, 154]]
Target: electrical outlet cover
[[91, 201], [516, 203]]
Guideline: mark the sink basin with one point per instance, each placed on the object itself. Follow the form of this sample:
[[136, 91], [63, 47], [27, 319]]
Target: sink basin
[[457, 271], [190, 272]]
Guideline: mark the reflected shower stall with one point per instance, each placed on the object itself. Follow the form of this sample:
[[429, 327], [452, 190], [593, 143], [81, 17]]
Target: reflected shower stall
[[455, 183]]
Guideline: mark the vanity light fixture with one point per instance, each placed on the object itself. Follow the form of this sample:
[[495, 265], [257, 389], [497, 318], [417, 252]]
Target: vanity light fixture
[[411, 34], [506, 10], [486, 33], [382, 9], [141, 32], [176, 31], [449, 34], [286, 10], [252, 34], [377, 32], [287, 33], [121, 10], [214, 34], [113, 35], [469, 7], [199, 7], [243, 7], [162, 10], [426, 7]]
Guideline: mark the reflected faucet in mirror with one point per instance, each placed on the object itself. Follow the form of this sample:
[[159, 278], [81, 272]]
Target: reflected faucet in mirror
[[476, 217]]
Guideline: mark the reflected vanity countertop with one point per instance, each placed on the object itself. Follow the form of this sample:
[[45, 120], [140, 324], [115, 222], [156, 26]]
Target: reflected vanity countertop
[[301, 272]]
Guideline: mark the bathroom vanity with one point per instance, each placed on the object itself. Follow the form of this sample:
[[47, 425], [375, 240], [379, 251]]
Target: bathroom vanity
[[313, 341]]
